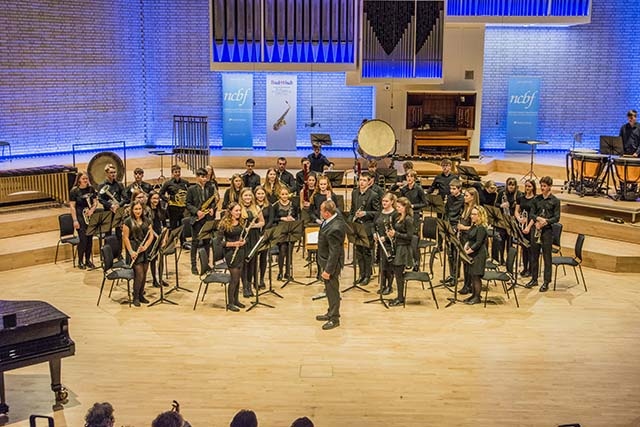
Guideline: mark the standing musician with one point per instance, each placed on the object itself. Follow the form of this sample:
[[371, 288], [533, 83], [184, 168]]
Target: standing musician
[[413, 191], [137, 184], [452, 213], [545, 211], [262, 202], [284, 176], [523, 213], [322, 192], [175, 191], [373, 184], [249, 177], [284, 210], [365, 204], [385, 221], [442, 180], [401, 180], [158, 217], [272, 185], [307, 191], [137, 235], [200, 206], [232, 194], [402, 234], [331, 260], [318, 161], [111, 196], [230, 232], [476, 248], [471, 200], [254, 222], [83, 201], [215, 188], [488, 193], [630, 134], [506, 201], [303, 173]]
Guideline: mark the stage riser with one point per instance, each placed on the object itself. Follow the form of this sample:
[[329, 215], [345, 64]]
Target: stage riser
[[595, 226], [518, 169]]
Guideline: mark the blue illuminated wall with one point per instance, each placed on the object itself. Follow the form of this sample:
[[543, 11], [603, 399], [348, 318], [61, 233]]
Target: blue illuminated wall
[[589, 75]]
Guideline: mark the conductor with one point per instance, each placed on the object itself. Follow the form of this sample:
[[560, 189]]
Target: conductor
[[331, 260]]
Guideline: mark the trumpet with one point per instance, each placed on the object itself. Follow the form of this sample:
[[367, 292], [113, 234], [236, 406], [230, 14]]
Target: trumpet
[[505, 210], [537, 232], [144, 242], [524, 216]]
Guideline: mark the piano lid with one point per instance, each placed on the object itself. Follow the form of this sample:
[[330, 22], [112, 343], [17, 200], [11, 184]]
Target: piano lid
[[29, 312]]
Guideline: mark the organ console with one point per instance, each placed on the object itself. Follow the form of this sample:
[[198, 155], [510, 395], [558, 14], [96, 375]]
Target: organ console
[[33, 332]]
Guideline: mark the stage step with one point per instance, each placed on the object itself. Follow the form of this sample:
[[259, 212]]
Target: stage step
[[604, 254], [595, 226], [34, 249]]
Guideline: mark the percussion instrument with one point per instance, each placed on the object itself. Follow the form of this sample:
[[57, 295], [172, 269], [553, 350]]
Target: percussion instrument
[[376, 139], [55, 181], [96, 166], [627, 171], [585, 171]]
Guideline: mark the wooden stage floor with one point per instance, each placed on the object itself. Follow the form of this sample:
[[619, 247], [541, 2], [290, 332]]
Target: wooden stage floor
[[567, 356]]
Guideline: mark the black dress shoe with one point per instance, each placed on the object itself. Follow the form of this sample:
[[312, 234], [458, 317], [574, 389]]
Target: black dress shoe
[[472, 301], [525, 273], [136, 303], [232, 307], [194, 271], [365, 281], [469, 298], [448, 281], [544, 287], [81, 266], [531, 284], [144, 300], [247, 294], [239, 304], [279, 276], [396, 302], [262, 286], [386, 291], [156, 284], [165, 283], [322, 317], [331, 324], [360, 280], [90, 265], [464, 291]]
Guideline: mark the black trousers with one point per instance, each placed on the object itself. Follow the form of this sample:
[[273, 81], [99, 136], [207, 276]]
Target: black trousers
[[526, 255], [364, 258], [398, 272], [176, 213], [332, 289], [534, 264], [85, 245]]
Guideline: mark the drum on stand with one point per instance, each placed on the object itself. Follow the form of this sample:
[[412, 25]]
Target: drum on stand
[[376, 140], [586, 171], [627, 171]]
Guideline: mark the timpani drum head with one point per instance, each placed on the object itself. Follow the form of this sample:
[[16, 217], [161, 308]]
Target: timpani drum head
[[96, 166], [376, 139]]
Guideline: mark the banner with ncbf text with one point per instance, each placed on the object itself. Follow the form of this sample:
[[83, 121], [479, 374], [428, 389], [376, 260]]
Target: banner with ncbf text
[[522, 112], [237, 110]]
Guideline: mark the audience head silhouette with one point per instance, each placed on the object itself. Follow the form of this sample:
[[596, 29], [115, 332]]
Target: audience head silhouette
[[168, 419], [244, 418], [302, 422], [100, 415]]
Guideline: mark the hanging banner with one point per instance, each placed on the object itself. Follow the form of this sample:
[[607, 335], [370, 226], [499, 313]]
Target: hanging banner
[[237, 111], [522, 112], [282, 90]]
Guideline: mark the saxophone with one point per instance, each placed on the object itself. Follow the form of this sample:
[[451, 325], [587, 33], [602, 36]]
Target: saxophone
[[281, 121]]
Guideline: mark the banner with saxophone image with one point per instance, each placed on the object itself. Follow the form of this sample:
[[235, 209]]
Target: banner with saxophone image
[[281, 111]]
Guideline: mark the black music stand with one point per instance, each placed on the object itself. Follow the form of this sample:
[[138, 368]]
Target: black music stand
[[533, 144], [206, 232], [320, 139], [469, 173], [175, 234], [436, 204], [291, 232], [100, 222], [451, 240], [263, 244], [611, 146], [335, 177], [118, 217], [167, 242], [518, 239], [390, 175], [380, 298], [357, 235]]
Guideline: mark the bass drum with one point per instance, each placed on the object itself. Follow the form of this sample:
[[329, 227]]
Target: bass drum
[[96, 166], [376, 139]]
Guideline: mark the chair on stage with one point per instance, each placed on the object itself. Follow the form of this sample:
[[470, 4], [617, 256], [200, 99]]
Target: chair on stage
[[575, 261], [556, 247], [507, 278], [67, 236], [311, 245], [422, 277], [429, 239], [114, 243], [109, 272], [208, 276]]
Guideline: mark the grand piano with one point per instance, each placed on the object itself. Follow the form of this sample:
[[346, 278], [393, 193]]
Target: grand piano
[[33, 332]]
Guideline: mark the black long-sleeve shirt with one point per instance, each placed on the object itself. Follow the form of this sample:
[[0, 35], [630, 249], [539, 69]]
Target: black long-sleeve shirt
[[548, 208], [630, 138]]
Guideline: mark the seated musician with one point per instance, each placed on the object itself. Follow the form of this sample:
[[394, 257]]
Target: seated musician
[[488, 193], [305, 166], [305, 197], [272, 185], [249, 177], [442, 181], [137, 184], [284, 176], [319, 161], [401, 180], [198, 196], [232, 194], [630, 134]]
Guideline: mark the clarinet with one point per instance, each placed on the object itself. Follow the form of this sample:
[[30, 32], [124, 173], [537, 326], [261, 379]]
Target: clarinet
[[388, 225]]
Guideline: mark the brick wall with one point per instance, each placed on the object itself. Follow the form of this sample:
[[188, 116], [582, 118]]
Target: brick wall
[[589, 75]]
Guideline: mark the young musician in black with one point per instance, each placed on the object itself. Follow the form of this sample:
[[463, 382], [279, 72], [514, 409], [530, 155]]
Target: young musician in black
[[471, 200], [111, 196], [232, 194], [442, 181], [385, 221], [230, 232], [250, 179], [416, 195], [630, 134], [506, 201], [303, 173], [452, 212], [175, 192], [138, 236], [137, 184], [83, 201], [522, 213], [365, 204], [200, 206], [401, 180], [545, 211], [215, 188], [402, 234], [488, 193], [322, 192], [318, 160], [306, 197], [284, 210], [284, 176], [254, 222], [158, 217], [476, 248], [262, 202], [272, 185]]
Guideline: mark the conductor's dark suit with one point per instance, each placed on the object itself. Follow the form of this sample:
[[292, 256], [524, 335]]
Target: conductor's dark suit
[[331, 260]]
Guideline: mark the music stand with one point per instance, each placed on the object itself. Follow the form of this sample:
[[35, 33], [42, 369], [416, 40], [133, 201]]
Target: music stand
[[291, 232], [320, 139], [335, 177], [173, 236], [380, 298], [469, 173], [390, 175], [436, 204], [118, 217], [167, 242], [357, 235], [263, 244], [100, 222], [533, 144], [206, 232], [451, 239], [611, 146]]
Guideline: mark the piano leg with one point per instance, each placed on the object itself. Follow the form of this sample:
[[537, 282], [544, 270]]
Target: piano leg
[[55, 369], [4, 408]]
